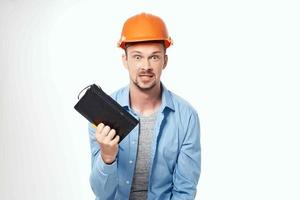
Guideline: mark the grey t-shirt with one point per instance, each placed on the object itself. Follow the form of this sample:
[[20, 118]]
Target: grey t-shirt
[[139, 188]]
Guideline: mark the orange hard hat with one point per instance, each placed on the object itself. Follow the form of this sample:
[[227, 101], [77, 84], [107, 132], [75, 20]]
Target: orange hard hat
[[144, 27]]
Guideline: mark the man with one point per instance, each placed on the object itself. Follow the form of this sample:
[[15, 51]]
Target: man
[[160, 158]]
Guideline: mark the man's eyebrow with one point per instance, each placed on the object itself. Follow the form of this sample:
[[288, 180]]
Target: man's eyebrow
[[135, 51], [156, 52]]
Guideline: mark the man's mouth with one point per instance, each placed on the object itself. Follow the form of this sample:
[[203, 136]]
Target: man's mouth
[[146, 75]]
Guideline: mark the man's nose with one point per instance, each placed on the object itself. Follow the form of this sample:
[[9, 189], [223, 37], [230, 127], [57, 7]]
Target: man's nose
[[146, 65]]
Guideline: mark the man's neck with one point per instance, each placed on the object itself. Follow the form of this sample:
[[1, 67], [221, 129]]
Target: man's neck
[[145, 102]]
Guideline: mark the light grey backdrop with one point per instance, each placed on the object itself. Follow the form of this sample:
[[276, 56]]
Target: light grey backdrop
[[237, 62]]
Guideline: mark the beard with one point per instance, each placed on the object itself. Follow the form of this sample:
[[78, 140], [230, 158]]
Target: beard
[[145, 81]]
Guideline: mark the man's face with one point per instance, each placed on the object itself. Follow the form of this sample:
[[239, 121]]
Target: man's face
[[145, 62]]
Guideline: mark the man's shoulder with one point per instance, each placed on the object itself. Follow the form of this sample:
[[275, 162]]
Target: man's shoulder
[[181, 104], [119, 92]]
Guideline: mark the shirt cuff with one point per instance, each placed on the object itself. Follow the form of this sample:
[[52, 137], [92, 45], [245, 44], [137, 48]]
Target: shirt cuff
[[105, 168]]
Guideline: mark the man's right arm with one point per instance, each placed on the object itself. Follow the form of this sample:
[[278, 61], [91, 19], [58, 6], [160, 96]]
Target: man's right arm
[[103, 178]]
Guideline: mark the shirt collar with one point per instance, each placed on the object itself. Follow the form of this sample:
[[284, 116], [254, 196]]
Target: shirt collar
[[167, 101]]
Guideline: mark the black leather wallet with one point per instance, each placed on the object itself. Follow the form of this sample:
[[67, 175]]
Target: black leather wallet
[[98, 107]]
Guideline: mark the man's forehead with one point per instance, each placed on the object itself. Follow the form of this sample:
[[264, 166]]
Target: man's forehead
[[146, 48]]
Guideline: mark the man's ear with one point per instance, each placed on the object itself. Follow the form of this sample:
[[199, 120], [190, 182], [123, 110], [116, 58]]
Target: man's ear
[[165, 61], [124, 61]]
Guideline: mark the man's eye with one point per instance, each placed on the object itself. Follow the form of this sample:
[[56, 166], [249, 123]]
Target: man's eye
[[137, 57], [155, 57]]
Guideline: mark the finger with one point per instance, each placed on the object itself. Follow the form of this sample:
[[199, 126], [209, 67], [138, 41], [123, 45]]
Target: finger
[[100, 127], [98, 135], [111, 134], [105, 131], [115, 140]]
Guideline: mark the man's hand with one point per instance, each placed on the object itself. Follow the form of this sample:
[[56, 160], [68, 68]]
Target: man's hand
[[109, 146]]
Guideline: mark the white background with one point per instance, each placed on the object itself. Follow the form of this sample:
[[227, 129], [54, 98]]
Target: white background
[[236, 61]]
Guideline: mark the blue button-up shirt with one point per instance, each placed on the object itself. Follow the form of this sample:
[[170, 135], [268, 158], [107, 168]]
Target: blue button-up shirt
[[175, 154]]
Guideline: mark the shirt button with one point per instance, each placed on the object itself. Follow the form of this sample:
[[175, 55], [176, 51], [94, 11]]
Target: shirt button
[[127, 182], [130, 161], [133, 142]]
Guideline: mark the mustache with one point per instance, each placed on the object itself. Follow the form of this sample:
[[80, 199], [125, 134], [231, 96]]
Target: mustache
[[146, 73]]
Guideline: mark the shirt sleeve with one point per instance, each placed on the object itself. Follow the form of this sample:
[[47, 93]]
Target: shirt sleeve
[[187, 169], [103, 177]]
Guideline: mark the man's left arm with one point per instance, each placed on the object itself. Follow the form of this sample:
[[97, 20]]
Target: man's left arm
[[187, 169]]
